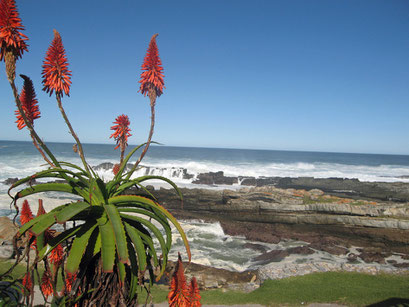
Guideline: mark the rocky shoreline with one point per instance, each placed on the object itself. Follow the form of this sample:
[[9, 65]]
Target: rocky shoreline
[[365, 224]]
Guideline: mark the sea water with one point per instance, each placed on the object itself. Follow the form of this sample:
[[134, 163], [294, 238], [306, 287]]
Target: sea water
[[209, 244]]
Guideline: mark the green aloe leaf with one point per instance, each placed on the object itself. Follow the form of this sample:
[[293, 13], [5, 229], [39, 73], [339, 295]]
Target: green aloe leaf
[[71, 210], [122, 199], [80, 243], [146, 239], [44, 224], [134, 270], [138, 243], [119, 231], [46, 187], [157, 217], [107, 243], [121, 270]]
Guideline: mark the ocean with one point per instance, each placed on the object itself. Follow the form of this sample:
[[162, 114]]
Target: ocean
[[19, 159]]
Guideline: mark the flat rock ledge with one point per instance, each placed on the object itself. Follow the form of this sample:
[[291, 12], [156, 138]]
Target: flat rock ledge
[[274, 271], [270, 214]]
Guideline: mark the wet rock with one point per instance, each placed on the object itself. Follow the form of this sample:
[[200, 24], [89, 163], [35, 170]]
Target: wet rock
[[247, 181], [352, 257], [106, 166], [257, 247], [272, 256], [300, 250], [329, 248], [208, 277], [10, 181], [212, 178], [401, 265], [370, 257]]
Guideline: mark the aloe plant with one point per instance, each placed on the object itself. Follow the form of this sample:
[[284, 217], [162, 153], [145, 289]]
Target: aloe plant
[[111, 248], [117, 231]]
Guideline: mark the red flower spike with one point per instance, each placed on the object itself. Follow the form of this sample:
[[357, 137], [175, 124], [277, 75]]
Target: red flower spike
[[152, 70], [26, 214], [121, 131], [46, 286], [28, 102], [56, 255], [194, 293], [178, 294], [41, 209], [27, 282], [56, 76], [116, 168], [11, 39], [69, 281]]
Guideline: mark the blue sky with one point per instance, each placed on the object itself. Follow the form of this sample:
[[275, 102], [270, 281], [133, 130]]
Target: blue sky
[[290, 75]]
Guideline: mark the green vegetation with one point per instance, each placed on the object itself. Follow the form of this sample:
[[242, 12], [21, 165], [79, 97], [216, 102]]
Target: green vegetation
[[356, 289]]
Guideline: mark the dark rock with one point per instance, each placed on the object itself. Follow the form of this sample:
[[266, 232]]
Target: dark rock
[[300, 250], [257, 247], [401, 265], [208, 277], [271, 256], [106, 166], [391, 261], [248, 181], [10, 181], [352, 257], [215, 178], [370, 257], [329, 248]]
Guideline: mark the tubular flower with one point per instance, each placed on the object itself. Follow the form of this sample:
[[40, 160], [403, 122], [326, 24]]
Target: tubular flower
[[121, 131], [11, 39], [152, 75], [46, 286], [178, 294], [116, 168], [27, 282], [194, 293], [56, 255], [28, 102], [41, 209], [56, 76], [26, 214], [69, 281]]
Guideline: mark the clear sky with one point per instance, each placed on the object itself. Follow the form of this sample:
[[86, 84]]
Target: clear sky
[[291, 75]]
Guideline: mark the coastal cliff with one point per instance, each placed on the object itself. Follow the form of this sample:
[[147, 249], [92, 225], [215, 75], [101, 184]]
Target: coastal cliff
[[270, 214]]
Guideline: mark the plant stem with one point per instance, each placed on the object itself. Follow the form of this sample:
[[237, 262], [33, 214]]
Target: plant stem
[[41, 152], [152, 97], [80, 151]]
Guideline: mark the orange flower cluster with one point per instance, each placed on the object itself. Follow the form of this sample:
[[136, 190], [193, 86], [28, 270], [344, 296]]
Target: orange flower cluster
[[28, 102], [69, 281], [194, 293], [27, 282], [11, 39], [181, 295], [152, 75], [46, 285], [26, 214], [56, 76], [56, 255], [121, 131]]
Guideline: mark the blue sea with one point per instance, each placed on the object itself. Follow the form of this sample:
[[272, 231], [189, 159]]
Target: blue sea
[[19, 159]]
